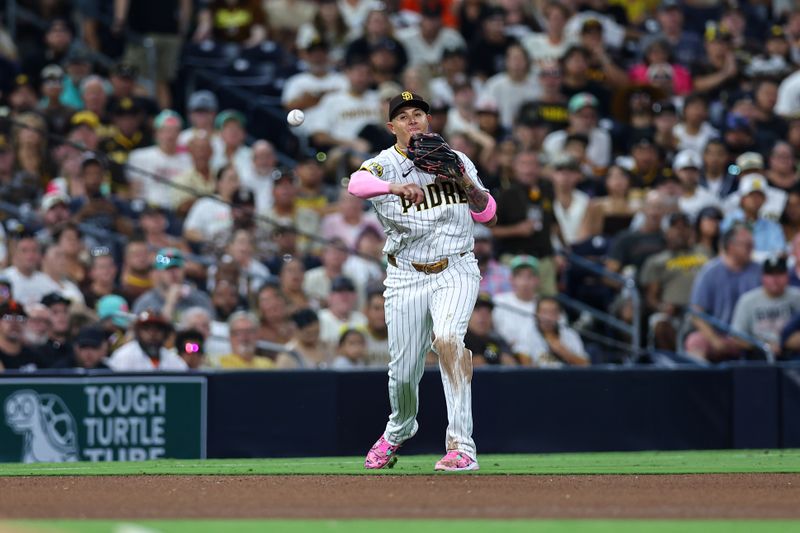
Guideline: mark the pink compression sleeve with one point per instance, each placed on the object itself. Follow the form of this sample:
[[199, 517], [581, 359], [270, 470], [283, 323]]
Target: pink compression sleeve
[[487, 214], [365, 185]]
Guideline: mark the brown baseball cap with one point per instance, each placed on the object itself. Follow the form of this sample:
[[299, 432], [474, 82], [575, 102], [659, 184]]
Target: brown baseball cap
[[407, 99]]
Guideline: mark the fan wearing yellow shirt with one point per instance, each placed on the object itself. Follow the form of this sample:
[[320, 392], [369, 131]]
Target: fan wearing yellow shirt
[[243, 328]]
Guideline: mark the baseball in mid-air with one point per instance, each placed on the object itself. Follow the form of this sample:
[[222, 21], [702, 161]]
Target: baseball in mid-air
[[295, 117]]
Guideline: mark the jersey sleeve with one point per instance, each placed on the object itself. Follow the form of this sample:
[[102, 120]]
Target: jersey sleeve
[[383, 169]]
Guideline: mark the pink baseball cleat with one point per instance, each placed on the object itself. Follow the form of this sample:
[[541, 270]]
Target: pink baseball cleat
[[456, 461], [381, 455]]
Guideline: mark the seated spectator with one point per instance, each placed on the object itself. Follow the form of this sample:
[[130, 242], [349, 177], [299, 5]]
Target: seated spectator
[[126, 133], [495, 277], [578, 77], [232, 21], [198, 180], [58, 345], [28, 284], [667, 278], [657, 57], [719, 71], [54, 211], [305, 350], [349, 220], [693, 197], [37, 327], [715, 176], [53, 266], [340, 313], [202, 107], [487, 347], [715, 291], [790, 218], [69, 239], [571, 204], [611, 214], [190, 346], [317, 282], [551, 106], [351, 352], [231, 125], [513, 310], [90, 350], [163, 160], [549, 343], [209, 217], [763, 312], [312, 192], [286, 212], [170, 295], [514, 86], [782, 173], [135, 279], [274, 325], [147, 351], [752, 163], [365, 267], [767, 234], [551, 43], [291, 283], [633, 247], [114, 317], [707, 232], [14, 355], [426, 42], [259, 175], [693, 132], [583, 119], [102, 276], [243, 327], [376, 331], [227, 301]]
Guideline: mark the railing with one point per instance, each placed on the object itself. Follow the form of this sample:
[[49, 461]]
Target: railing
[[633, 331], [762, 346]]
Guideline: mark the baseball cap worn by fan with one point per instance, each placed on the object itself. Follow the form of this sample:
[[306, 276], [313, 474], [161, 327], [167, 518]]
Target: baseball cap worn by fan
[[229, 114], [203, 101], [752, 183], [407, 99], [53, 298], [52, 199], [342, 284], [524, 261], [114, 307], [90, 337], [687, 159], [484, 300], [167, 258], [12, 308], [581, 100], [168, 117], [750, 161], [775, 265]]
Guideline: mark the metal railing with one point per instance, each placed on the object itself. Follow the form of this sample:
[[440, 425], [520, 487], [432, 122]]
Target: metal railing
[[628, 283], [725, 328]]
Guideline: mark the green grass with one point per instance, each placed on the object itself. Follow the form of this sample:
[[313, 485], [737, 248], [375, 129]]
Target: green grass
[[418, 526], [684, 462]]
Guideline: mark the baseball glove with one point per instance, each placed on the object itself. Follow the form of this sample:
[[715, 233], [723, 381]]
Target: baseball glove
[[430, 153]]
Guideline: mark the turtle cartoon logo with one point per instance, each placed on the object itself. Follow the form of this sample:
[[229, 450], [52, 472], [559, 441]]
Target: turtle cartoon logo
[[48, 427]]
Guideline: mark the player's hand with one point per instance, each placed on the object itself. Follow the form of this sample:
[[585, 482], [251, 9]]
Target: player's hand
[[408, 191]]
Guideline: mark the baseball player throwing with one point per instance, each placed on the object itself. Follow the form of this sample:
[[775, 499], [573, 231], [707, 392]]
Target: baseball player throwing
[[428, 198]]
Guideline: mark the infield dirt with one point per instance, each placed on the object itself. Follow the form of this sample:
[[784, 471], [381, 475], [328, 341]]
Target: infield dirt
[[381, 496]]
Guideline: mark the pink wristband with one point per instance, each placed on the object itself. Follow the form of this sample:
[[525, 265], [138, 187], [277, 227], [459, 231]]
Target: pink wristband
[[487, 214], [365, 185]]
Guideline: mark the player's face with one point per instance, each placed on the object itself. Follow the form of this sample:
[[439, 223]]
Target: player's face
[[407, 122]]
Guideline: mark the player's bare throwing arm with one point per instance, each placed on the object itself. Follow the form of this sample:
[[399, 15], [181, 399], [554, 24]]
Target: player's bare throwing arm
[[428, 198]]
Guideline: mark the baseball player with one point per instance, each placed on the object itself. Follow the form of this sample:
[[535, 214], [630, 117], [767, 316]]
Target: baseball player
[[428, 198]]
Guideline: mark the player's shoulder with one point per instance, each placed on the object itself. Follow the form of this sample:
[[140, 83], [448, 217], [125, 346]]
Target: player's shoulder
[[380, 165]]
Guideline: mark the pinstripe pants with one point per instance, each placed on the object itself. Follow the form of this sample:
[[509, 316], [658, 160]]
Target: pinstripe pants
[[419, 305]]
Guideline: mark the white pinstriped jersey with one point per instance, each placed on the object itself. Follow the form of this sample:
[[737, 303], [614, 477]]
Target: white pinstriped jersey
[[439, 227]]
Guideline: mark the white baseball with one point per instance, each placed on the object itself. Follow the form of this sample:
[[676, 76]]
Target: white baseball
[[295, 117]]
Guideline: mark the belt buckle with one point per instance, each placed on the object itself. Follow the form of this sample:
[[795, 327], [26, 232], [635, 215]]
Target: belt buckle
[[435, 268]]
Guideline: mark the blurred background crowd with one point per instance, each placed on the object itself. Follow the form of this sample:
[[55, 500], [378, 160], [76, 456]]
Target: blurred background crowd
[[157, 212]]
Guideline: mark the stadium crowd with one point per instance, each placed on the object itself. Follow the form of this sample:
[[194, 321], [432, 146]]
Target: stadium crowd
[[657, 139]]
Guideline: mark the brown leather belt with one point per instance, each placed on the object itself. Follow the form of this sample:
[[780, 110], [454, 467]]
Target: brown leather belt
[[425, 268]]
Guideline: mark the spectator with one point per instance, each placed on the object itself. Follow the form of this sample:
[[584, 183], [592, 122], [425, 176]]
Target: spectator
[[211, 217], [154, 222], [14, 355], [583, 119], [30, 139], [552, 43], [58, 345], [513, 86], [55, 112], [58, 40], [551, 106], [667, 278], [123, 77], [53, 266], [426, 43], [243, 328], [231, 125], [718, 75], [198, 180], [341, 312], [274, 325], [305, 350], [488, 49], [126, 133], [782, 173], [90, 350], [633, 247], [495, 277], [715, 177], [317, 282], [513, 310], [693, 198], [453, 68], [526, 222], [147, 351], [767, 234], [770, 128], [571, 204], [95, 99], [287, 214], [687, 45], [259, 175], [165, 32], [352, 350], [202, 107], [752, 163], [763, 312], [715, 291], [790, 219], [611, 214], [377, 31], [597, 35], [135, 279], [349, 220], [226, 300], [37, 328], [304, 90], [577, 78], [170, 295], [487, 347], [69, 238], [694, 131], [376, 330], [106, 212], [365, 267], [233, 21], [114, 317], [291, 283], [28, 284], [147, 167], [190, 346], [657, 63], [312, 192], [550, 343], [707, 230]]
